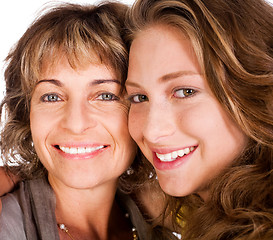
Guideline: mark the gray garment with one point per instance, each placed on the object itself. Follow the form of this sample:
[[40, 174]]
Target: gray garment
[[29, 213], [34, 202], [11, 219]]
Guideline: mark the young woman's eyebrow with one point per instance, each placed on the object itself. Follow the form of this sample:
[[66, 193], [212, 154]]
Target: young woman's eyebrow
[[167, 77], [132, 84], [102, 81], [174, 75]]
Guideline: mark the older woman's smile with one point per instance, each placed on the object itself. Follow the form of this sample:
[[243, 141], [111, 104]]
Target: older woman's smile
[[80, 150]]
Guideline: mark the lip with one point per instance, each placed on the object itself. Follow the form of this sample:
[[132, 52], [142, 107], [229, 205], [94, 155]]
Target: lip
[[169, 150], [160, 165], [80, 156]]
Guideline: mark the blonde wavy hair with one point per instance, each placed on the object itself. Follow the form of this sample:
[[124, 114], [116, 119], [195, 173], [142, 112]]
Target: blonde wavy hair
[[83, 34], [233, 41]]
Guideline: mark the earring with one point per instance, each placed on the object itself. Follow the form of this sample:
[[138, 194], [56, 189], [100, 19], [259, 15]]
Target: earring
[[130, 171], [152, 174]]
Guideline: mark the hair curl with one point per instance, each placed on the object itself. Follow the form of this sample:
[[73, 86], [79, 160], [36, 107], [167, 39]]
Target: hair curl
[[233, 41]]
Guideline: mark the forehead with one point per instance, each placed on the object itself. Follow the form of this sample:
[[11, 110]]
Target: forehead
[[63, 70], [52, 65], [162, 32], [160, 39], [160, 50]]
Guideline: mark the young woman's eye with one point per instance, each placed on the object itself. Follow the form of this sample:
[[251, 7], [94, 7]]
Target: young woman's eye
[[52, 97], [184, 92], [107, 97], [138, 98]]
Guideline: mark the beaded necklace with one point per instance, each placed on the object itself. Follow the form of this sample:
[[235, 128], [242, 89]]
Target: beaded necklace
[[65, 229]]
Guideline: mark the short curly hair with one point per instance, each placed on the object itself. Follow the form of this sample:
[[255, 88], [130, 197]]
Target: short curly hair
[[81, 33]]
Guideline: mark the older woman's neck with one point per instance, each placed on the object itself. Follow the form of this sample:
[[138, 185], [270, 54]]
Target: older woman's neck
[[85, 210]]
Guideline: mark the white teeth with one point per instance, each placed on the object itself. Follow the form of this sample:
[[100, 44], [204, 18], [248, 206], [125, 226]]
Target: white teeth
[[180, 153], [80, 150], [169, 157], [186, 151], [174, 155]]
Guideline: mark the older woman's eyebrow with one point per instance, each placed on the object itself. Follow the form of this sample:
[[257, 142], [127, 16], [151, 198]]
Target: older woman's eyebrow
[[52, 81], [92, 83]]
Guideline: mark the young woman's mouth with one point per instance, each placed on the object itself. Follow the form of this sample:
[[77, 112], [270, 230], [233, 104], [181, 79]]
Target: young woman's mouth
[[172, 156], [171, 159]]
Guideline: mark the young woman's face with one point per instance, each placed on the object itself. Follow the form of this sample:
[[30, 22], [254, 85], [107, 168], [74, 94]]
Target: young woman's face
[[79, 126], [174, 117]]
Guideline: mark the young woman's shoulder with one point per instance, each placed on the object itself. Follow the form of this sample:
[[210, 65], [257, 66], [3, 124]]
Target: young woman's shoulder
[[11, 218]]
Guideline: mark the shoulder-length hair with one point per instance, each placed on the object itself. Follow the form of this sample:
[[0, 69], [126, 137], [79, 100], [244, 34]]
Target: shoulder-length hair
[[233, 41]]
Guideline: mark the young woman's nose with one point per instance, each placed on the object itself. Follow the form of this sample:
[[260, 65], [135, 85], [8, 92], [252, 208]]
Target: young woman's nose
[[159, 123], [78, 117]]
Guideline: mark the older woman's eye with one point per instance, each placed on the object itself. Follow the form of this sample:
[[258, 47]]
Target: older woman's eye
[[107, 97], [184, 92], [52, 97], [139, 98]]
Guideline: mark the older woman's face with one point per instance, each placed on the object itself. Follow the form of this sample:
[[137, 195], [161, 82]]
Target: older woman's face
[[79, 125], [174, 117]]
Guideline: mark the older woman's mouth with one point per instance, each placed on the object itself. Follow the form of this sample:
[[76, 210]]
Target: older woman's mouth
[[79, 150]]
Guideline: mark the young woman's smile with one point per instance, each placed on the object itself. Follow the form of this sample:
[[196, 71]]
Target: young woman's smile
[[164, 159], [174, 117]]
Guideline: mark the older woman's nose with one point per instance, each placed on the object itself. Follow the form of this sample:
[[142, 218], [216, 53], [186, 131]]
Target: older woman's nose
[[77, 118]]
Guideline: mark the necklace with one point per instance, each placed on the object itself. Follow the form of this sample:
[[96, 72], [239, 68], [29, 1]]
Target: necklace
[[65, 229], [134, 231]]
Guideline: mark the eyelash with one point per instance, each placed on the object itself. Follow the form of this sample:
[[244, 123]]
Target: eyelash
[[190, 93], [113, 97], [131, 98], [43, 98], [55, 97]]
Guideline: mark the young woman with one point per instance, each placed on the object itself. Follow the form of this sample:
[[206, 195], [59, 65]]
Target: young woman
[[200, 82], [66, 129]]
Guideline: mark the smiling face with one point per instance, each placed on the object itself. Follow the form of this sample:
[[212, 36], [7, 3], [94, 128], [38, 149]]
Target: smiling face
[[79, 126], [174, 117]]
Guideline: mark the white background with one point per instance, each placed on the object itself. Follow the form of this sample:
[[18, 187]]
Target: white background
[[15, 16]]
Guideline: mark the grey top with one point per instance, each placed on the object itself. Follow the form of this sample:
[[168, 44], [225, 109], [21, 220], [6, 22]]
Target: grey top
[[29, 213], [34, 203], [11, 219]]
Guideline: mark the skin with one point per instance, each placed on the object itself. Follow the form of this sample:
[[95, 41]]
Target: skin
[[173, 109], [82, 109]]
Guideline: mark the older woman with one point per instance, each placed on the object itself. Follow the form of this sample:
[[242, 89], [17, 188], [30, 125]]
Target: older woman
[[66, 129]]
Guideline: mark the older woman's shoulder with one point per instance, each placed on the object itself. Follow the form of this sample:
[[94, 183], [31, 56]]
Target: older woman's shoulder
[[11, 218]]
